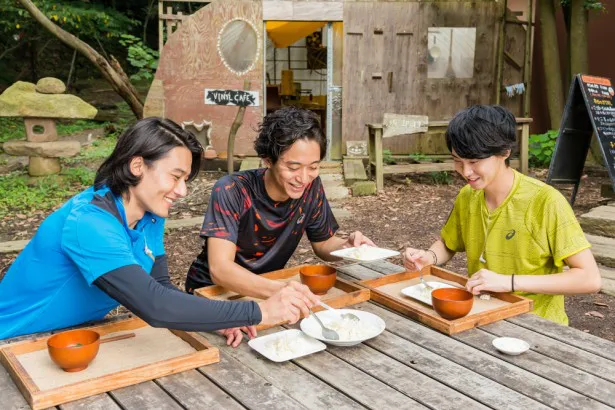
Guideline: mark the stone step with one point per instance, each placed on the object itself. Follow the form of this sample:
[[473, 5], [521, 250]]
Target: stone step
[[603, 249], [354, 171], [250, 163], [608, 286], [335, 192], [599, 221]]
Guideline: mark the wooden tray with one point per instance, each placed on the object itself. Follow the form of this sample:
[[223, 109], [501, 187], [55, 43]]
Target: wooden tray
[[342, 294], [387, 291], [118, 364]]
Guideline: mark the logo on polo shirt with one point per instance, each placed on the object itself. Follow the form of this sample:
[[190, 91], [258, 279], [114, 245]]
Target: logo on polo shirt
[[510, 234], [301, 218]]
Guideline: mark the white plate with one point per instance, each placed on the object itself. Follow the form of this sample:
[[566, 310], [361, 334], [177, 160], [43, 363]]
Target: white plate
[[368, 320], [421, 293], [511, 345], [294, 343], [365, 253]]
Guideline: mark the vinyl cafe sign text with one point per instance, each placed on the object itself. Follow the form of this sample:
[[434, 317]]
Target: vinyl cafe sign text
[[231, 97]]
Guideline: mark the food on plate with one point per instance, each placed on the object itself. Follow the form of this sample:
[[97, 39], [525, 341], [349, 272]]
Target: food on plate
[[288, 345], [350, 329]]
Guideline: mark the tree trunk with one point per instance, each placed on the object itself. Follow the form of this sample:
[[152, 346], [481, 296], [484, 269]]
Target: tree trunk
[[551, 62], [234, 128], [579, 58], [125, 89]]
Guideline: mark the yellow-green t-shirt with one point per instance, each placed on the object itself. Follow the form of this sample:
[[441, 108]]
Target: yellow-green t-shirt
[[530, 233]]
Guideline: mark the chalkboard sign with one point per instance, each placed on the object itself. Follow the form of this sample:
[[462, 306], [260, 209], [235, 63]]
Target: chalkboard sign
[[231, 97], [590, 109]]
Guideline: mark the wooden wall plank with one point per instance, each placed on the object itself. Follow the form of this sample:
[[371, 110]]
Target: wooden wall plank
[[406, 56], [190, 62], [524, 382], [303, 10]]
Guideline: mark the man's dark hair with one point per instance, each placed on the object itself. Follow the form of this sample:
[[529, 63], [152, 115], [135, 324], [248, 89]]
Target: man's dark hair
[[481, 131], [282, 128], [151, 138]]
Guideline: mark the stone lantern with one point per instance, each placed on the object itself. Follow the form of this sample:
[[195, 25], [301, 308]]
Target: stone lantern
[[40, 105]]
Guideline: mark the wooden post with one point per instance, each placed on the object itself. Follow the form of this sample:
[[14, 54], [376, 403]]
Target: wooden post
[[234, 128], [527, 66], [379, 160], [525, 141], [160, 26], [500, 56]]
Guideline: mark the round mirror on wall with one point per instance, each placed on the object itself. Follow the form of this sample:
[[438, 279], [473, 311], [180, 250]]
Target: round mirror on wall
[[238, 46]]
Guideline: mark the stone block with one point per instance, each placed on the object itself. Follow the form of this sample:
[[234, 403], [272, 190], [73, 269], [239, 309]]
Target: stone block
[[40, 166], [41, 129], [606, 191], [599, 221], [54, 149], [21, 100], [603, 249], [50, 85], [363, 188]]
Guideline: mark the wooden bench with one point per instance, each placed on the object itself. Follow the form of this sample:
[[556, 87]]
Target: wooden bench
[[375, 151]]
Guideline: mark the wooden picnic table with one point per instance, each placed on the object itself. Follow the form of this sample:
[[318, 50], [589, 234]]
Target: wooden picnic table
[[408, 366]]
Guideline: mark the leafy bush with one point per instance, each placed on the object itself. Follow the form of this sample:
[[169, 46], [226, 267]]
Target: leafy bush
[[541, 148], [387, 157], [441, 177], [140, 56]]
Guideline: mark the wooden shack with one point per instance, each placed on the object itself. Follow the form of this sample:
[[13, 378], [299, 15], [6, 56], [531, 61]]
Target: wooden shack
[[349, 61]]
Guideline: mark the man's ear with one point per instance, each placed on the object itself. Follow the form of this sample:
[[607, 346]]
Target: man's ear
[[137, 166], [507, 154]]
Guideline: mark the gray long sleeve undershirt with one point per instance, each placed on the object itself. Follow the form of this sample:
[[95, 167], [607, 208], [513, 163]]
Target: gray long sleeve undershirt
[[155, 300]]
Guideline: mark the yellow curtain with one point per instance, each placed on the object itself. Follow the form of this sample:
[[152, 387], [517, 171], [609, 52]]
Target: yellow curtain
[[286, 33]]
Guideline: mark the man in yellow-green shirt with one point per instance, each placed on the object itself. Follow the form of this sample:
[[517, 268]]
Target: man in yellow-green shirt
[[518, 233]]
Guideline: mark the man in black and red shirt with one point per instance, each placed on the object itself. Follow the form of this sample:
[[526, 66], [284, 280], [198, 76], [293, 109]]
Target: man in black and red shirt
[[256, 218]]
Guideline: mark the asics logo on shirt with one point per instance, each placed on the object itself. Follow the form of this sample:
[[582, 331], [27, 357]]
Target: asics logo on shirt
[[510, 234]]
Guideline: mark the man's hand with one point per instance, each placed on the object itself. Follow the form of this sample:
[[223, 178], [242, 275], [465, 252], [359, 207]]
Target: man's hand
[[357, 239], [234, 335], [488, 280], [288, 305], [417, 259]]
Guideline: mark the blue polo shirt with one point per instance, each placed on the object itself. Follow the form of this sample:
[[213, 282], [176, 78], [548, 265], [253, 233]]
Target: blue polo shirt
[[49, 286]]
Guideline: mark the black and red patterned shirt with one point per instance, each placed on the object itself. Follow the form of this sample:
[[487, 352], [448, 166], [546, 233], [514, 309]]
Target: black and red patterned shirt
[[265, 232]]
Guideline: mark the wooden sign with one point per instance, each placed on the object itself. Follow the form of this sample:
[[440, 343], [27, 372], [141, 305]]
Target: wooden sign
[[590, 109], [400, 124], [231, 97]]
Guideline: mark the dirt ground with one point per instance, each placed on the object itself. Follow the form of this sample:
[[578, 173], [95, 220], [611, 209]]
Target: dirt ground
[[410, 212]]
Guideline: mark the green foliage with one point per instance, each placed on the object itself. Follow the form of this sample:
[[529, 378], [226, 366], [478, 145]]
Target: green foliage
[[99, 150], [21, 193], [588, 4], [11, 129], [418, 157], [87, 21], [387, 157], [140, 56], [541, 148], [441, 177]]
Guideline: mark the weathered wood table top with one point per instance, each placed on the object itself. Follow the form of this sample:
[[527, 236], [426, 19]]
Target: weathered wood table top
[[408, 366]]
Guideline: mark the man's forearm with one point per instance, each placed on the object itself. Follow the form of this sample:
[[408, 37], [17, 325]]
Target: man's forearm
[[323, 249], [238, 279], [443, 254]]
